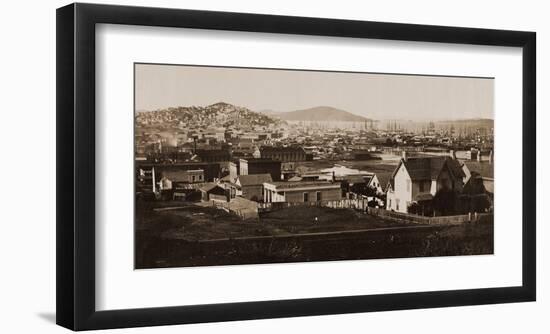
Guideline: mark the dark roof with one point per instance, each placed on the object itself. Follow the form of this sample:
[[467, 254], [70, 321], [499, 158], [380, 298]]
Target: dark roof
[[384, 178], [474, 186], [254, 179], [368, 178], [356, 178], [216, 190], [274, 149], [208, 186], [429, 168], [261, 161], [210, 153]]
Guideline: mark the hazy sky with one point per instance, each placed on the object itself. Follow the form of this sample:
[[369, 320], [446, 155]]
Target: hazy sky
[[378, 96]]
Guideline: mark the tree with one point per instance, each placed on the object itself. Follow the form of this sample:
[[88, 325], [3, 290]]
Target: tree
[[444, 202], [415, 208], [361, 189]]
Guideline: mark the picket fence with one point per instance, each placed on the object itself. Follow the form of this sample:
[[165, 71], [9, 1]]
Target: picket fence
[[362, 205], [437, 220], [358, 204]]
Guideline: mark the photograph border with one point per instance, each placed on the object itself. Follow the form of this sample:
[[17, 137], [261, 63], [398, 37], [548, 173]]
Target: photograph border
[[75, 160], [135, 164]]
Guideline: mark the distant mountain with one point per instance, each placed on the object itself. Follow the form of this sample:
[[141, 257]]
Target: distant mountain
[[218, 114], [472, 122], [271, 112], [322, 113]]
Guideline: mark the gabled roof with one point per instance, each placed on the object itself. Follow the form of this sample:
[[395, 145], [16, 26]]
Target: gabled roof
[[429, 168], [474, 186], [368, 178], [254, 179], [384, 179], [208, 186], [217, 189]]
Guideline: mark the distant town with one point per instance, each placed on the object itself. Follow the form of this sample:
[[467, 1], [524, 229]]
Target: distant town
[[226, 173]]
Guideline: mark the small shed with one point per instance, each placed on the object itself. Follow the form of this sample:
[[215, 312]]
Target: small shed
[[214, 192]]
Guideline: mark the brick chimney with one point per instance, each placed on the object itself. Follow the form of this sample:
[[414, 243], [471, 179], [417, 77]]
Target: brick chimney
[[404, 155]]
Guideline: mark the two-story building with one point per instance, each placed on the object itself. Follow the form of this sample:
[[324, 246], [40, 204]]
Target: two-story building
[[418, 180], [176, 183], [170, 176], [260, 166]]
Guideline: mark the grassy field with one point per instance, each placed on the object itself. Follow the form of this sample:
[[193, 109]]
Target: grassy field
[[199, 236], [198, 223]]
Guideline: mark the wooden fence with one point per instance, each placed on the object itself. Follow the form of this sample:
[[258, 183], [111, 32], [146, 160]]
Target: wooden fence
[[245, 209], [438, 220], [362, 205], [358, 204]]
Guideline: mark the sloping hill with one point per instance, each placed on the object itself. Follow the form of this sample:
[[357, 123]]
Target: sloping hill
[[321, 113], [218, 114]]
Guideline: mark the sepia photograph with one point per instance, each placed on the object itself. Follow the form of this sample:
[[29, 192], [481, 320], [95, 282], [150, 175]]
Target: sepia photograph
[[263, 165]]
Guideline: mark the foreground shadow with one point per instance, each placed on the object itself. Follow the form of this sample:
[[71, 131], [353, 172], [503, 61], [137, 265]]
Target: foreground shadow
[[47, 316]]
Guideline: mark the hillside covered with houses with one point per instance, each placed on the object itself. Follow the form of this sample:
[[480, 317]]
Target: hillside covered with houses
[[222, 152]]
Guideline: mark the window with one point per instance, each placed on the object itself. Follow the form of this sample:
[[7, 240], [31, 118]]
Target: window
[[397, 204], [318, 196], [193, 176], [390, 204], [408, 185], [306, 197]]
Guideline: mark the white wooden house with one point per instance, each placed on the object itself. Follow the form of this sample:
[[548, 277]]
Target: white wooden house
[[418, 180]]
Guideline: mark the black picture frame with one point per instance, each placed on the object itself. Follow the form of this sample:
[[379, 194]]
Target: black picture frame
[[76, 307]]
